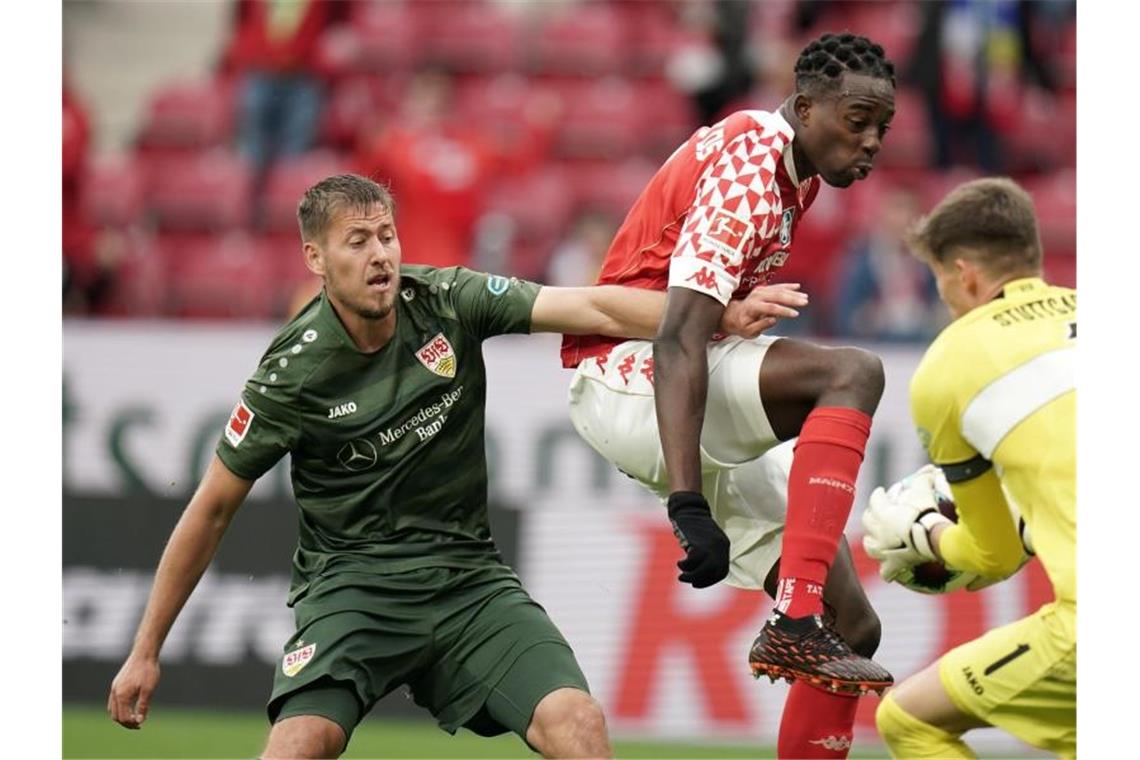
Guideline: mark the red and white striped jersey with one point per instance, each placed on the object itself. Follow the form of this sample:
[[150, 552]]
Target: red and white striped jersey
[[718, 218]]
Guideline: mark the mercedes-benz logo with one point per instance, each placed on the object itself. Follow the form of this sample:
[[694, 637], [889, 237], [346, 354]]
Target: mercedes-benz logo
[[357, 455]]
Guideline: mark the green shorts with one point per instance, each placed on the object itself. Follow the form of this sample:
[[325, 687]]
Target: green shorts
[[471, 645]]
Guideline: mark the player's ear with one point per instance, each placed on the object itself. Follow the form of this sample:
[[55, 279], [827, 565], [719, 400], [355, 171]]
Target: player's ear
[[968, 274], [313, 259], [801, 106]]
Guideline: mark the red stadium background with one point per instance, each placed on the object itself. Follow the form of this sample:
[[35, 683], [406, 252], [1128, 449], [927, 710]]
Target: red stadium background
[[515, 136]]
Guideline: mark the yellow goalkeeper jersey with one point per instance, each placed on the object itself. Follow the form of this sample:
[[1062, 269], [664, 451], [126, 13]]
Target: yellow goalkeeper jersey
[[994, 400]]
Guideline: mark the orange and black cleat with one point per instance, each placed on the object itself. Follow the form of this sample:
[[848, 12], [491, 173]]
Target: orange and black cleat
[[804, 649]]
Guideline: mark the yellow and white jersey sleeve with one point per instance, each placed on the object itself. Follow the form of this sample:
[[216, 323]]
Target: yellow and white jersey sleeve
[[994, 400]]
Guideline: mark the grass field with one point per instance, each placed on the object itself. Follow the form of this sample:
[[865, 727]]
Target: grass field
[[170, 733]]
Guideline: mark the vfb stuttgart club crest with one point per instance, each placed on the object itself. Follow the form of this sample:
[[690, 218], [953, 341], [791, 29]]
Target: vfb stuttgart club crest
[[292, 662], [438, 356]]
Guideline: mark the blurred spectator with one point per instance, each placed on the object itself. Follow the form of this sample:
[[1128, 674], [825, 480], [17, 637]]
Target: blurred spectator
[[883, 292], [84, 281], [577, 259], [720, 72], [274, 52], [968, 63], [438, 169]]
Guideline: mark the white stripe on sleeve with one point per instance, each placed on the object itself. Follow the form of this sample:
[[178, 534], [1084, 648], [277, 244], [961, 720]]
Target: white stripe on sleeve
[[1001, 405]]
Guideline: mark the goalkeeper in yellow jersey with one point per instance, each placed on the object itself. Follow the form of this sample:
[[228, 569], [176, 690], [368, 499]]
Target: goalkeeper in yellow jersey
[[994, 400]]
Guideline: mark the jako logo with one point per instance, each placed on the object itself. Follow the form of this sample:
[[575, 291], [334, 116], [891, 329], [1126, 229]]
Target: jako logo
[[340, 410], [833, 483], [973, 681]]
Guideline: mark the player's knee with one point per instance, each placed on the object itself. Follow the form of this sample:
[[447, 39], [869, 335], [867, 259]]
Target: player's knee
[[568, 713], [859, 370], [304, 736], [584, 715]]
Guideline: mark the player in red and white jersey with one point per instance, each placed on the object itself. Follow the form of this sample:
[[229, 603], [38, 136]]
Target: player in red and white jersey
[[698, 419], [718, 216]]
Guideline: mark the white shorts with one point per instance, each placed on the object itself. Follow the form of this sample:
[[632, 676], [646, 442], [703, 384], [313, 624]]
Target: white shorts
[[744, 468]]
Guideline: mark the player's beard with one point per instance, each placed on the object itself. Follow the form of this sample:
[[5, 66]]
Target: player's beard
[[381, 312], [360, 306]]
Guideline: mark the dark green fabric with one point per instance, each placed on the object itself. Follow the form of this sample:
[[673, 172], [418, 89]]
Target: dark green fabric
[[328, 699], [451, 635], [537, 672], [388, 459]]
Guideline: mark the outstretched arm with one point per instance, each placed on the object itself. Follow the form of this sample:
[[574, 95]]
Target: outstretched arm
[[624, 312], [191, 547], [680, 370]]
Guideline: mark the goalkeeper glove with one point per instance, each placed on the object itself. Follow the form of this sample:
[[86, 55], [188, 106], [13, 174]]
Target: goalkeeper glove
[[898, 523], [705, 544]]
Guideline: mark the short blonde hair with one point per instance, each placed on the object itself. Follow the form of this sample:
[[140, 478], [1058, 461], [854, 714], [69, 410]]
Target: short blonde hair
[[993, 217], [332, 195]]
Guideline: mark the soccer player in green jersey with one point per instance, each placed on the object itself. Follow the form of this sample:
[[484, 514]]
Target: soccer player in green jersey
[[376, 389]]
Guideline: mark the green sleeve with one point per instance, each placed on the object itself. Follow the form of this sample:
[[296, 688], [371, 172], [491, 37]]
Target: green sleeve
[[488, 305], [263, 427]]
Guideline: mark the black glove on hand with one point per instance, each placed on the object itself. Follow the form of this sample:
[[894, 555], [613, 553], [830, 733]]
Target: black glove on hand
[[705, 545]]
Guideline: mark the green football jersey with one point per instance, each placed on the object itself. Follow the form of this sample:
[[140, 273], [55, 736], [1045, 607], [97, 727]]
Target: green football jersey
[[389, 466]]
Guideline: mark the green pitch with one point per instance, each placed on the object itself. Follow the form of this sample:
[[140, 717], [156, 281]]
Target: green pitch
[[171, 733]]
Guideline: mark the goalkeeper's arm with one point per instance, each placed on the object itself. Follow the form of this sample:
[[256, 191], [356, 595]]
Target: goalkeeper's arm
[[985, 539]]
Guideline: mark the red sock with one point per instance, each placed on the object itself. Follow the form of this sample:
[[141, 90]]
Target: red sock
[[821, 487], [816, 723]]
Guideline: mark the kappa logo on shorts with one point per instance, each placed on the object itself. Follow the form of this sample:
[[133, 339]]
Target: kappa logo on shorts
[[237, 427], [438, 356], [292, 662]]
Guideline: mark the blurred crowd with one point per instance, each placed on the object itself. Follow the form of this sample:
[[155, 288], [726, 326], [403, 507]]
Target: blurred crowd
[[515, 135]]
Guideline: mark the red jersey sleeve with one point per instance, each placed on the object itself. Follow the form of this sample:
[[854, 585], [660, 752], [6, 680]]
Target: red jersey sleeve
[[732, 214]]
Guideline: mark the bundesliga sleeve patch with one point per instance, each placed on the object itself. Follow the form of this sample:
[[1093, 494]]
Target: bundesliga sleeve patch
[[237, 427], [727, 235]]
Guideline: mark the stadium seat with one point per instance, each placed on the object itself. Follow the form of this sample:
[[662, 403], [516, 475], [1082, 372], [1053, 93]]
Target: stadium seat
[[358, 104], [380, 38], [608, 187], [908, 144], [1066, 65], [668, 118], [588, 40], [1055, 198], [113, 191], [188, 115], [601, 119], [474, 37], [538, 203], [655, 35], [287, 182], [220, 276], [936, 185], [1039, 138], [139, 289], [206, 191], [891, 23], [1061, 270]]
